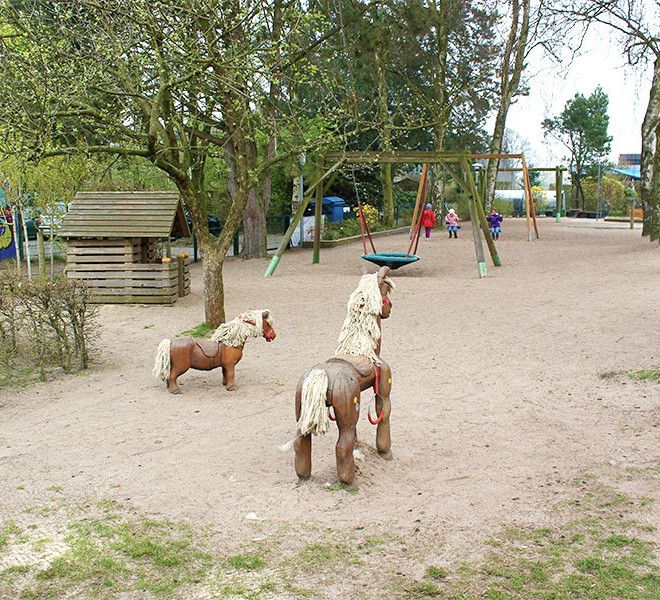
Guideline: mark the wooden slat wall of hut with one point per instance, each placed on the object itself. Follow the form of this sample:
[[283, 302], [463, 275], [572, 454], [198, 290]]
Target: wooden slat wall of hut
[[113, 271]]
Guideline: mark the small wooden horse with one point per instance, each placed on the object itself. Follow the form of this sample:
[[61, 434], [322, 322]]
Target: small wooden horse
[[337, 382], [224, 349]]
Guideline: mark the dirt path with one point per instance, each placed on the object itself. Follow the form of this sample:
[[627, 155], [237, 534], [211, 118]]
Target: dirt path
[[499, 398]]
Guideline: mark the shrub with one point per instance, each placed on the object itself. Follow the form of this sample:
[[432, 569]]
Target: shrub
[[504, 207], [612, 191], [45, 322], [371, 216], [538, 197]]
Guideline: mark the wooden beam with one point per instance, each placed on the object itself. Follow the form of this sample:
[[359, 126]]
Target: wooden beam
[[481, 217], [421, 193], [531, 169], [472, 200], [284, 242], [318, 221]]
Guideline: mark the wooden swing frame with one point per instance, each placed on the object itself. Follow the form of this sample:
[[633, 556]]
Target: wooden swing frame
[[457, 164]]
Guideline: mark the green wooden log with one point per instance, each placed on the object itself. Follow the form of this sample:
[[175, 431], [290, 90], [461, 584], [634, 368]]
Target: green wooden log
[[483, 222], [318, 211], [296, 219], [472, 204], [558, 186]]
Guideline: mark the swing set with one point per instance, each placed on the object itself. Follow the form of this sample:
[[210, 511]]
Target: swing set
[[457, 164], [394, 260]]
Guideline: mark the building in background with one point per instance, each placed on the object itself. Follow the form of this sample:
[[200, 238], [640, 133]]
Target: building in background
[[630, 160]]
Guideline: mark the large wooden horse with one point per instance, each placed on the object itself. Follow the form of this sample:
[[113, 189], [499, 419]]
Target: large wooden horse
[[224, 349], [337, 382]]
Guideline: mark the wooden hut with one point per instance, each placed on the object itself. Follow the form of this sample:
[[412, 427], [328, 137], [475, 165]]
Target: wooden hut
[[112, 245]]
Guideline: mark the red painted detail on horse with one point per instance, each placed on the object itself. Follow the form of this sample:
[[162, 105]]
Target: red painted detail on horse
[[267, 336], [372, 420]]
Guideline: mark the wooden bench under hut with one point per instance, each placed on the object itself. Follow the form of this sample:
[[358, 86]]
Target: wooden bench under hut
[[112, 245]]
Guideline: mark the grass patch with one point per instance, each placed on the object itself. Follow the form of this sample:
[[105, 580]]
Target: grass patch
[[652, 374], [8, 529], [435, 573], [342, 487], [598, 555], [109, 557], [17, 377], [246, 562], [421, 589], [203, 330], [325, 555]]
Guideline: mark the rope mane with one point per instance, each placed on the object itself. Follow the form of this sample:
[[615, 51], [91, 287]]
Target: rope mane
[[360, 332], [236, 332]]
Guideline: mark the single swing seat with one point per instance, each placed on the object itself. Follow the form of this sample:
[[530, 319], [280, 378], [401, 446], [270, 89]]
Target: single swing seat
[[393, 260]]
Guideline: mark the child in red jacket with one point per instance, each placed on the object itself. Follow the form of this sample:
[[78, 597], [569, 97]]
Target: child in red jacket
[[428, 221]]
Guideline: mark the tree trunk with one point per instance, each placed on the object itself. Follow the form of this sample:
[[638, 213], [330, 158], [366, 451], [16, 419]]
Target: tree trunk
[[214, 291], [386, 168], [254, 227], [214, 250], [444, 15], [513, 64], [650, 167]]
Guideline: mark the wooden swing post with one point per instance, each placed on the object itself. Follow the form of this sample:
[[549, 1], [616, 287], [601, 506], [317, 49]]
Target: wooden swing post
[[559, 176], [483, 222], [421, 194], [284, 242], [318, 221], [530, 209], [472, 204]]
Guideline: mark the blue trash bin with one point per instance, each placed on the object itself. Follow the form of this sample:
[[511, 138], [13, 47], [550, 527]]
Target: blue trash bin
[[336, 208]]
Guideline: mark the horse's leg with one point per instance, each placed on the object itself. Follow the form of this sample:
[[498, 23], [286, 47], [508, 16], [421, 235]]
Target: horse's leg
[[179, 364], [383, 438], [302, 444], [347, 418], [224, 376], [229, 371]]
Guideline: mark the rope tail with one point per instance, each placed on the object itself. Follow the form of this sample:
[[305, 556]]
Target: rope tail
[[313, 412], [162, 363]]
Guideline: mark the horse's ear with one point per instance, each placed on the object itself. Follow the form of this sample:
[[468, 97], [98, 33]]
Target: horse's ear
[[383, 272]]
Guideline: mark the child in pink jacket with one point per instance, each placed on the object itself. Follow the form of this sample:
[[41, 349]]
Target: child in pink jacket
[[451, 221]]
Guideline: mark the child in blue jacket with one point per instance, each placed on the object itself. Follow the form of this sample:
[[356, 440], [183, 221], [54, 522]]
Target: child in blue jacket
[[495, 222]]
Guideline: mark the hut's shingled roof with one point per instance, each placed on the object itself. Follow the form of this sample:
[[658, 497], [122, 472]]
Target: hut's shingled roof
[[125, 215]]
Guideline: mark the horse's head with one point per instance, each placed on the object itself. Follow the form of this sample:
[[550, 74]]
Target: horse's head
[[385, 285], [267, 329]]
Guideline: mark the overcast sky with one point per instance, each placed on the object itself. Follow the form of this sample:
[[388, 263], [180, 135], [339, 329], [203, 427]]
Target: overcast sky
[[601, 63]]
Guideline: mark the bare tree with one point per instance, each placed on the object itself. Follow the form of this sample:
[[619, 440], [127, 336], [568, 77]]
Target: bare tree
[[637, 23], [174, 82]]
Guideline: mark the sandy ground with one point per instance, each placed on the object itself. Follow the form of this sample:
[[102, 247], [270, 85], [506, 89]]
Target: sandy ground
[[498, 395]]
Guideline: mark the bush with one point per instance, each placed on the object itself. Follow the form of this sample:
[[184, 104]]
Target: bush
[[45, 323], [504, 207], [538, 197], [335, 231], [461, 206], [613, 192]]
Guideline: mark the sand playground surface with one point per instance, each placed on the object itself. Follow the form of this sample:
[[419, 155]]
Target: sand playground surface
[[507, 394]]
